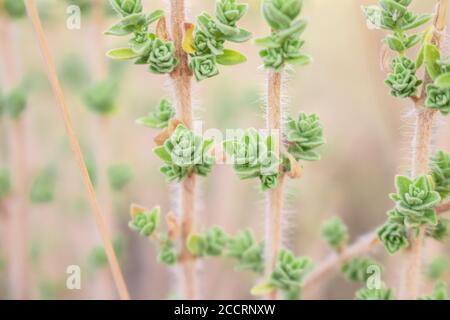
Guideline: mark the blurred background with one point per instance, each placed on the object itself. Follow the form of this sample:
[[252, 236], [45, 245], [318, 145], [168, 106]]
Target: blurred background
[[367, 135]]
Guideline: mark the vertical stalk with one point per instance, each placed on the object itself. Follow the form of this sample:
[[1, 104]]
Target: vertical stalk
[[274, 232], [181, 81], [18, 222], [410, 287], [65, 113]]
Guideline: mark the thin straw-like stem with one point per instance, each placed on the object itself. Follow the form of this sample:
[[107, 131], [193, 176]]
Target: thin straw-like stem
[[410, 285], [181, 81], [273, 234], [56, 86]]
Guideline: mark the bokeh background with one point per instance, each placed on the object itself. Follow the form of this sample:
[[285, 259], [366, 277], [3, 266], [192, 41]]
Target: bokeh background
[[367, 135]]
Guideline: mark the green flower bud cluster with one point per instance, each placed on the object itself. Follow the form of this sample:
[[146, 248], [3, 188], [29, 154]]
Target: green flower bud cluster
[[440, 171], [438, 268], [5, 183], [146, 223], [402, 80], [284, 44], [335, 233], [393, 15], [185, 153], [440, 292], [243, 248], [159, 118], [438, 92], [253, 156], [100, 97], [14, 102], [289, 273], [209, 38], [119, 176], [44, 185], [144, 47], [167, 253], [248, 253], [375, 294], [15, 9], [415, 206], [394, 236], [415, 201], [210, 243], [304, 136], [358, 269]]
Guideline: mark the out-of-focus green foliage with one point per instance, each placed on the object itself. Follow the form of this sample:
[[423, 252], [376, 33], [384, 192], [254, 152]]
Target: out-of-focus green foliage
[[5, 183], [159, 118], [357, 269], [440, 292], [119, 176], [14, 8], [101, 97], [146, 223], [375, 294], [440, 170], [73, 71], [43, 186], [438, 267], [97, 257], [335, 233]]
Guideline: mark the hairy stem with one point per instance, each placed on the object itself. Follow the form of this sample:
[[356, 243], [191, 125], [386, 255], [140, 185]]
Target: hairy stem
[[56, 86], [410, 285], [273, 234], [181, 81]]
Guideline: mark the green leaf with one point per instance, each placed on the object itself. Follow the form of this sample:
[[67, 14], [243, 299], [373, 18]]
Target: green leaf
[[118, 30], [443, 81], [420, 58], [432, 55], [301, 60], [268, 42], [230, 57], [154, 16], [242, 36], [122, 54], [162, 153], [195, 244], [262, 289]]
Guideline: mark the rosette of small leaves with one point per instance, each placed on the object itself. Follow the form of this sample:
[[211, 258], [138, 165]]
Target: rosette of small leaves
[[146, 223], [438, 98], [5, 183], [248, 253], [393, 236], [438, 268], [15, 9], [144, 47], [119, 176], [357, 269], [211, 243], [253, 156], [15, 102], [44, 185], [375, 294], [440, 292], [168, 254], [289, 273], [440, 171], [440, 231], [393, 15], [335, 233], [207, 42], [185, 153], [101, 96], [402, 80], [284, 44], [304, 135], [159, 118], [415, 201], [204, 66]]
